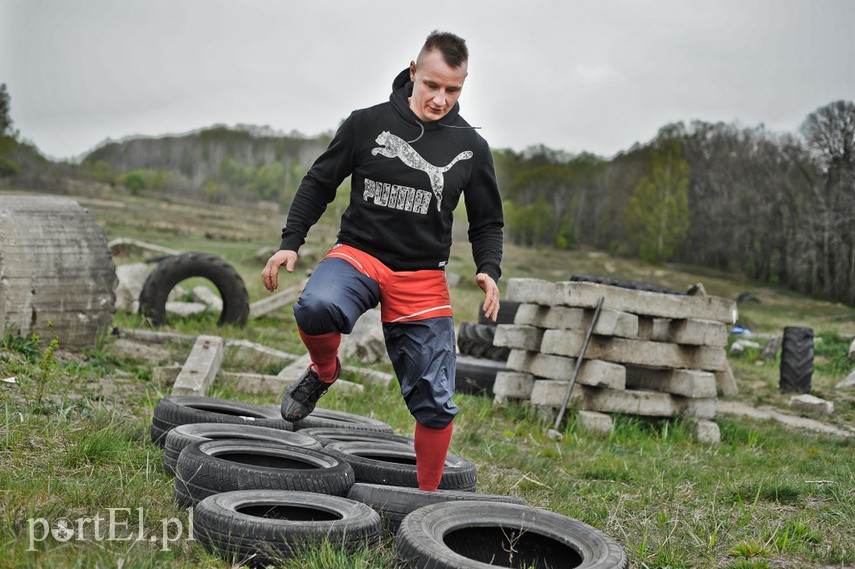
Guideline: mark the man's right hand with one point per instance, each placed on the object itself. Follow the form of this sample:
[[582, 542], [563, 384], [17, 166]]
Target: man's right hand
[[270, 274]]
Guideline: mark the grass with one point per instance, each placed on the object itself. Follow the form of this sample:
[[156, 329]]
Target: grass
[[75, 444]]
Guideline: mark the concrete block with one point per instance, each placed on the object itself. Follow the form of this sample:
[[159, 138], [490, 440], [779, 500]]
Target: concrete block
[[595, 373], [846, 382], [707, 432], [630, 402], [726, 382], [685, 382], [185, 308], [687, 331], [368, 376], [261, 383], [551, 393], [256, 356], [517, 337], [609, 323], [636, 352], [807, 402], [644, 303], [126, 348], [207, 297], [201, 367], [276, 301], [695, 408], [851, 353], [156, 337], [698, 332], [534, 291], [594, 423], [165, 376], [512, 386], [531, 315]]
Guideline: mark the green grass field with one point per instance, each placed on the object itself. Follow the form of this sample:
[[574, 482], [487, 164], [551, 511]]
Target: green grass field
[[75, 444]]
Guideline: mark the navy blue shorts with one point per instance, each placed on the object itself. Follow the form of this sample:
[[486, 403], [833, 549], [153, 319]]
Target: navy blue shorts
[[422, 349]]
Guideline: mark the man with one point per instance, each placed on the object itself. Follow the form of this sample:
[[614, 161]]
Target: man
[[410, 161]]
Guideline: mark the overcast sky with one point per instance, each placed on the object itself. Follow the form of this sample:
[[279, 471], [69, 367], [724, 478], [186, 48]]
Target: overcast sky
[[593, 76]]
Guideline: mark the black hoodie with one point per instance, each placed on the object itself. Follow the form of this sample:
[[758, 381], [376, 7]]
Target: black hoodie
[[407, 177]]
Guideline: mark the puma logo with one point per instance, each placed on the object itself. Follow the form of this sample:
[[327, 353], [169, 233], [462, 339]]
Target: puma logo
[[396, 147]]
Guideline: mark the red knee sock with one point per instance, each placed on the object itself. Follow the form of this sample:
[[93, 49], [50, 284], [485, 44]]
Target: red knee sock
[[323, 349], [431, 448]]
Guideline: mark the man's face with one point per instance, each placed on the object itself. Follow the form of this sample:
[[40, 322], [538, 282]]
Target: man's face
[[436, 86]]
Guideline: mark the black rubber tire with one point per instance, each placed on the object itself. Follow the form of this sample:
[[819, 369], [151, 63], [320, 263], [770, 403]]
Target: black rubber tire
[[183, 435], [634, 285], [796, 360], [342, 420], [210, 467], [481, 535], [395, 465], [476, 340], [476, 376], [176, 268], [507, 313], [329, 435], [174, 410], [393, 503], [267, 527]]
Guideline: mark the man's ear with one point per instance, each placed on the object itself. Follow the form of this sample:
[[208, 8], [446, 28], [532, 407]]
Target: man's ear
[[412, 71]]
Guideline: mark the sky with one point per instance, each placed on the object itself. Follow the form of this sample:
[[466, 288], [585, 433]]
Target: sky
[[578, 76]]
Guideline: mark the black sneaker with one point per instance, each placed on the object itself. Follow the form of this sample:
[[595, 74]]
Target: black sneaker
[[303, 395]]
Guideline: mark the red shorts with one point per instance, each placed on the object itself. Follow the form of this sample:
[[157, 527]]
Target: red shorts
[[404, 295]]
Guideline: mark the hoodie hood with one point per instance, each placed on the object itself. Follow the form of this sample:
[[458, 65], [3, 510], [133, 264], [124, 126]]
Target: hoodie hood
[[402, 89]]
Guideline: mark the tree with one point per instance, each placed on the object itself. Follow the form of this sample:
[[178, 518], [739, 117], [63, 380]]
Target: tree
[[657, 219], [5, 116]]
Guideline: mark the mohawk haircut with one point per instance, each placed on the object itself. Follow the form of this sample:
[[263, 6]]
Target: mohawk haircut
[[452, 47]]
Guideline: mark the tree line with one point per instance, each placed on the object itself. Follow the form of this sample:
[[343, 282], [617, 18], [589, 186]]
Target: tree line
[[778, 207]]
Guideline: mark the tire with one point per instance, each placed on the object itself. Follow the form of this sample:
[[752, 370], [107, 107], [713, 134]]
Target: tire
[[341, 420], [174, 410], [176, 268], [476, 340], [393, 503], [634, 285], [395, 465], [57, 277], [796, 360], [481, 535], [267, 527], [507, 313], [183, 435], [329, 435], [476, 376], [210, 467]]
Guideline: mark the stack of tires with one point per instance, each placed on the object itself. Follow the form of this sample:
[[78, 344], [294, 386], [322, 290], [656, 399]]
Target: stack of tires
[[264, 489], [479, 360]]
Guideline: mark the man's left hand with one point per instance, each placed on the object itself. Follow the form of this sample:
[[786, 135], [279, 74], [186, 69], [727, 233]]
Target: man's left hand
[[491, 295]]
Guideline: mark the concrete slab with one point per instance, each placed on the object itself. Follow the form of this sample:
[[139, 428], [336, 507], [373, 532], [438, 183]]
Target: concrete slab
[[685, 382], [256, 356], [807, 402], [630, 402], [551, 393], [261, 383], [594, 423], [687, 331], [517, 337], [512, 387], [595, 373], [201, 367], [276, 301], [707, 432], [644, 303], [637, 352], [609, 323], [726, 382], [533, 291]]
